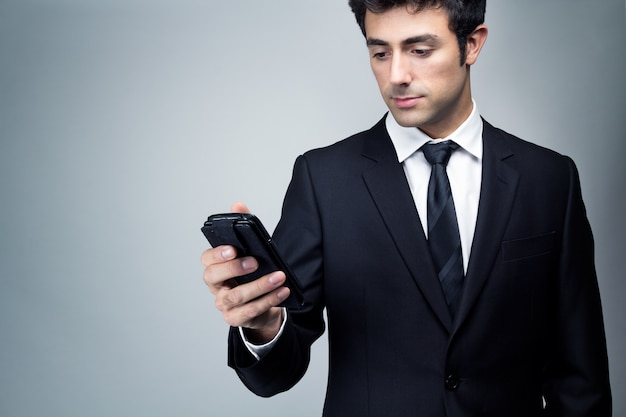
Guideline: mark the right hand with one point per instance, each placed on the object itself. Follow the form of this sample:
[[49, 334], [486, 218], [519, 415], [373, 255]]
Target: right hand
[[253, 305]]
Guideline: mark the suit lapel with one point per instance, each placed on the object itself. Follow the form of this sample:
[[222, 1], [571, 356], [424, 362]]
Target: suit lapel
[[387, 184], [396, 207], [499, 184]]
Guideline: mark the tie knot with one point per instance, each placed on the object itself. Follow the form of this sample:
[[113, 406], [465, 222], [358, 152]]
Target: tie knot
[[439, 153]]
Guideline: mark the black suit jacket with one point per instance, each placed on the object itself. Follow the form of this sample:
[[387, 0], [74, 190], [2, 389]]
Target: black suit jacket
[[530, 322]]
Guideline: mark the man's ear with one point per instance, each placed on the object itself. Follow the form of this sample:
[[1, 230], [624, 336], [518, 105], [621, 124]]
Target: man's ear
[[475, 42]]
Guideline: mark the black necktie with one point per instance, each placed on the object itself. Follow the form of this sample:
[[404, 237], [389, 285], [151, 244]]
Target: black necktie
[[443, 231]]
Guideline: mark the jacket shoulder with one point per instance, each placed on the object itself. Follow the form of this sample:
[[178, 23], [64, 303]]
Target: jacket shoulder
[[373, 143], [497, 137]]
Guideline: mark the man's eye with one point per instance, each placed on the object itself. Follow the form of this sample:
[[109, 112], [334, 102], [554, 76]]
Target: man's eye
[[422, 52], [379, 55]]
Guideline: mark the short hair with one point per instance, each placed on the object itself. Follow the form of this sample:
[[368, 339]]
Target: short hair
[[463, 15]]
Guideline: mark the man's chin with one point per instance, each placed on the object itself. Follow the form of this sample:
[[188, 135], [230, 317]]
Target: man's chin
[[406, 119]]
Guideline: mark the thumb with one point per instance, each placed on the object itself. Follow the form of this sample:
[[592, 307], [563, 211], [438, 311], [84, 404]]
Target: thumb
[[239, 207]]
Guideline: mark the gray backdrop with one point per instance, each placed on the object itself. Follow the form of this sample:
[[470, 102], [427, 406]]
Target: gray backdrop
[[124, 123]]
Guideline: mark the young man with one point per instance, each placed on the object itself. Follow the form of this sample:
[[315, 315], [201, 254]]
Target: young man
[[507, 322]]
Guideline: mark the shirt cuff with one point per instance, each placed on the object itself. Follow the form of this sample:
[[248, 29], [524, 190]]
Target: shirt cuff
[[258, 351]]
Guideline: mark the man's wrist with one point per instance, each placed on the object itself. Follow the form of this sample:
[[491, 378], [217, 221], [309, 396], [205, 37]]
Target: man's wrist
[[265, 334], [251, 340]]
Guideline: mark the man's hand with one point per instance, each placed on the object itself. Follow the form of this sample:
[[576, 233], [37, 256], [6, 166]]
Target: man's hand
[[253, 305]]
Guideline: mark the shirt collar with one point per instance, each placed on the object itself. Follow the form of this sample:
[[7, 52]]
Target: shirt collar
[[407, 140]]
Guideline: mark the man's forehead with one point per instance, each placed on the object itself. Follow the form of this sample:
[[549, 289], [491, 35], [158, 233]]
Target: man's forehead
[[408, 10], [399, 23]]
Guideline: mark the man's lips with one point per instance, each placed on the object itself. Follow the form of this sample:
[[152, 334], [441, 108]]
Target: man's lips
[[406, 102]]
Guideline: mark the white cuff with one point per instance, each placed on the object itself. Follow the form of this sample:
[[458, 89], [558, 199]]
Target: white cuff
[[258, 351]]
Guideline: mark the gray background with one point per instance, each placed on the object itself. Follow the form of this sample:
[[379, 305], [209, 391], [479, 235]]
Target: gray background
[[124, 123]]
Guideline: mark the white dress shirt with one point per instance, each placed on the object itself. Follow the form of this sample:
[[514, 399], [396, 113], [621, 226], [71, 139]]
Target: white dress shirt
[[464, 172]]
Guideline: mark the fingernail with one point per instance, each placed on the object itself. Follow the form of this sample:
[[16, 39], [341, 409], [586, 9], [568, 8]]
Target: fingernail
[[248, 264], [228, 253], [276, 279], [283, 293]]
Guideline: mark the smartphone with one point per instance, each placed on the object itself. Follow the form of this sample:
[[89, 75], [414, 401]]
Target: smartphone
[[248, 236]]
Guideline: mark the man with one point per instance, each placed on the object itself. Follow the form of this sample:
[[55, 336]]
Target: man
[[508, 323]]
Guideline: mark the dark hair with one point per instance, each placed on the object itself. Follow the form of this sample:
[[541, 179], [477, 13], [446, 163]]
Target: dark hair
[[463, 15]]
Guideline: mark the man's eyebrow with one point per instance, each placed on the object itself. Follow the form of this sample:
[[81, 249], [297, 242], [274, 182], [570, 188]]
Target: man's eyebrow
[[376, 42], [427, 38]]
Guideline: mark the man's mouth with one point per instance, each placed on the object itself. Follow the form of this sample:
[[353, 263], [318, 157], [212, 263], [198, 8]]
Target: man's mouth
[[406, 102]]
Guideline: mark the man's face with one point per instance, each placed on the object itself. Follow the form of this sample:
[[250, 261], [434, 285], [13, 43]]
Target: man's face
[[416, 61]]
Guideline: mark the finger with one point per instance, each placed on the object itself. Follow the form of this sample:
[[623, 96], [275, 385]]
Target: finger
[[218, 254], [239, 207], [256, 314], [245, 293], [221, 274]]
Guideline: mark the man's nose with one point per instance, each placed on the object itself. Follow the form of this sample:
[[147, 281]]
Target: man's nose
[[400, 70]]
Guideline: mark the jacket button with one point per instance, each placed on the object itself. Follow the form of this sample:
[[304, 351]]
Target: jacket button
[[452, 382]]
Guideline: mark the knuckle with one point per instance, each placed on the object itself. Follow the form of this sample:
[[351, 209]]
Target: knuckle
[[234, 297], [258, 287], [250, 314], [206, 276], [219, 304], [208, 257], [242, 316], [223, 299], [203, 259]]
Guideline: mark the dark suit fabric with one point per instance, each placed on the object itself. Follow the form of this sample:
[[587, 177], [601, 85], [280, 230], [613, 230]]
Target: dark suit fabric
[[530, 321]]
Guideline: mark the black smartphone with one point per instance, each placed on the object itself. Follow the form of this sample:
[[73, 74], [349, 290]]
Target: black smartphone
[[248, 236]]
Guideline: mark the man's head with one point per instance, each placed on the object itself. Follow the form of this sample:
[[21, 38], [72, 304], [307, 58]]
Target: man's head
[[414, 53], [463, 15]]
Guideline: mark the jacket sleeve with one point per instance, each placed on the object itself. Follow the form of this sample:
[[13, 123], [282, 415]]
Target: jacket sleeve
[[577, 379], [298, 237]]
